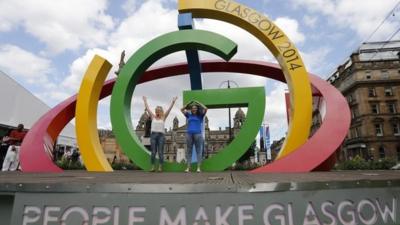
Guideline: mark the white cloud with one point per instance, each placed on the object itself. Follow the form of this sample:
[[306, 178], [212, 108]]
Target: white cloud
[[24, 65], [310, 21], [291, 28], [61, 25], [78, 68], [139, 28], [275, 114], [362, 16], [316, 60]]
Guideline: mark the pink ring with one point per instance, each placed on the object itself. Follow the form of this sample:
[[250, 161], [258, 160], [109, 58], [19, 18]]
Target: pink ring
[[318, 153]]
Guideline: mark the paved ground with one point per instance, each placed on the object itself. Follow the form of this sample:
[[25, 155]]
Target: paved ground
[[227, 177]]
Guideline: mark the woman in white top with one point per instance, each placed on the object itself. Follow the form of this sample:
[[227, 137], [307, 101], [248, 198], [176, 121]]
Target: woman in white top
[[157, 138]]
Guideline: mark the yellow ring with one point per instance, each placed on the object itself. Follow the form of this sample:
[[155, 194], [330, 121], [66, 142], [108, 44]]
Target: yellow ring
[[281, 47], [86, 116]]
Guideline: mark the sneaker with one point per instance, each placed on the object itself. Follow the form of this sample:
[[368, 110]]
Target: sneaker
[[160, 169], [187, 170], [152, 169], [198, 170]]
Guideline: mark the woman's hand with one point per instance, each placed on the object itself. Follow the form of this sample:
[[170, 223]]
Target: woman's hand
[[147, 107], [170, 107]]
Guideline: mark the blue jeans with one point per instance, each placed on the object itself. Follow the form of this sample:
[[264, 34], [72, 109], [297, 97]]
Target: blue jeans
[[197, 141], [157, 141]]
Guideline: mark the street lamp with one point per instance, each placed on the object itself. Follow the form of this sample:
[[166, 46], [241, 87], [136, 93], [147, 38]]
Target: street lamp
[[228, 82]]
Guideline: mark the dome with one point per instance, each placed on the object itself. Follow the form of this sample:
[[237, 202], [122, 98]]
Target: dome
[[240, 114]]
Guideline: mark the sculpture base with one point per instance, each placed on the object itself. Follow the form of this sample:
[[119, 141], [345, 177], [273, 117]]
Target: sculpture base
[[135, 197]]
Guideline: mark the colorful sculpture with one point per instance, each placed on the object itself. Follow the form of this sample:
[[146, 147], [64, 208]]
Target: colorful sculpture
[[299, 154]]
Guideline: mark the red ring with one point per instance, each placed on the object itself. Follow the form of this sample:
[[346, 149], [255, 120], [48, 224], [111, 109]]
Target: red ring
[[318, 153]]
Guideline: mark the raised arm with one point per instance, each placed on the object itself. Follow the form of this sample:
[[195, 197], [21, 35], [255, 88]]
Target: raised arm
[[204, 107], [183, 110], [170, 107], [146, 105]]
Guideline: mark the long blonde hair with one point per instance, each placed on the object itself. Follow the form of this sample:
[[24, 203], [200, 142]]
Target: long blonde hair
[[161, 111]]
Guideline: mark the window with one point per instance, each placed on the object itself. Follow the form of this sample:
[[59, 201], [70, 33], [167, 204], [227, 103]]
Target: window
[[350, 98], [385, 74], [371, 92], [381, 152], [368, 75], [392, 108], [357, 132], [354, 112], [379, 129], [398, 153], [375, 108], [388, 91], [396, 129]]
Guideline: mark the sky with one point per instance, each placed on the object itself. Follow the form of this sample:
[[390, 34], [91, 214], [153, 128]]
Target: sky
[[46, 45]]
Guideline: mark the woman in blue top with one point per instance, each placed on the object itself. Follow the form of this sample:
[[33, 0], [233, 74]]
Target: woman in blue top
[[193, 134]]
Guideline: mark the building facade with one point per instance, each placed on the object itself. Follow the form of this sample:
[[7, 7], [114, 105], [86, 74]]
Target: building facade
[[370, 81], [112, 151], [175, 139]]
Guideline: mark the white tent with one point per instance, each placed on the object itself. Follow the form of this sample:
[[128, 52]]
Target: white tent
[[18, 105]]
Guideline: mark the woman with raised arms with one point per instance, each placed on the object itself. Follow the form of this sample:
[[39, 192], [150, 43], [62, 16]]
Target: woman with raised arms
[[194, 135], [157, 138]]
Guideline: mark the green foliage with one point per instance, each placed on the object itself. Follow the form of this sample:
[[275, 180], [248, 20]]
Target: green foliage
[[384, 164], [250, 152], [245, 166], [69, 165], [124, 166], [358, 163]]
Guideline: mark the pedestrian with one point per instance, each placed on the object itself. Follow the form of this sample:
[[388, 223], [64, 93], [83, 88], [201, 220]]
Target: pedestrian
[[194, 135], [157, 137], [10, 159], [14, 140]]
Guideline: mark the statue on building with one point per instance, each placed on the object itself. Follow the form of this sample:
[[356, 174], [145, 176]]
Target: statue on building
[[239, 118], [175, 123], [147, 126], [142, 121], [121, 63]]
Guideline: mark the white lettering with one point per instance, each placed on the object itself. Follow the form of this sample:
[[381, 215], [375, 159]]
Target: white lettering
[[180, 219], [311, 217], [280, 217], [79, 210], [221, 219], [116, 216], [328, 214], [201, 216], [96, 217], [361, 205], [350, 213], [241, 213], [290, 214], [133, 218], [387, 211], [31, 209], [47, 217]]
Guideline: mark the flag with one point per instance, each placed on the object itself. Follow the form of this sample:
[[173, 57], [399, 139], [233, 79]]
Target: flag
[[267, 143]]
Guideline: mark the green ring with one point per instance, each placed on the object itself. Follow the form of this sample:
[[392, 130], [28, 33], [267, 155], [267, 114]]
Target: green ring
[[134, 69]]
